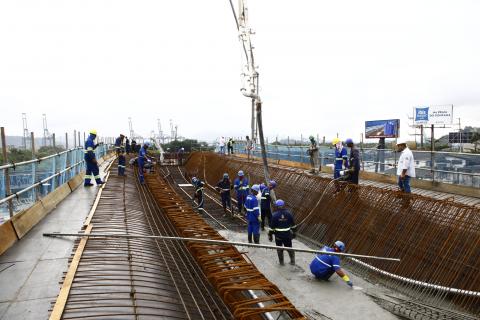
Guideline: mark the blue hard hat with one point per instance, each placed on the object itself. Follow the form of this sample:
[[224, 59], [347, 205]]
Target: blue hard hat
[[256, 187], [262, 186], [240, 173], [272, 183], [340, 245], [279, 203], [349, 140], [225, 175], [147, 143]]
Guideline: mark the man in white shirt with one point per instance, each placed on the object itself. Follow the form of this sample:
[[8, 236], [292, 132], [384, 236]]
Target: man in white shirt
[[406, 166], [222, 145]]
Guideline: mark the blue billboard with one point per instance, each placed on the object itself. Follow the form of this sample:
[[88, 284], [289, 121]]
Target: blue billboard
[[382, 128]]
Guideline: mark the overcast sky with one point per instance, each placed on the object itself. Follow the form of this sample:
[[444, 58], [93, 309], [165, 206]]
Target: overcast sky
[[325, 66]]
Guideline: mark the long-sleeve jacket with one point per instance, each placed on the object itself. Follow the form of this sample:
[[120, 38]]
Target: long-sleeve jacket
[[253, 210], [225, 186], [354, 159], [282, 222], [90, 147], [241, 186]]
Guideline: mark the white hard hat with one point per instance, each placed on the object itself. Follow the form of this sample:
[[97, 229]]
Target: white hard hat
[[401, 141]]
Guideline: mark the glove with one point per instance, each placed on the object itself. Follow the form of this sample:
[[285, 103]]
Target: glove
[[342, 172], [350, 283], [270, 237]]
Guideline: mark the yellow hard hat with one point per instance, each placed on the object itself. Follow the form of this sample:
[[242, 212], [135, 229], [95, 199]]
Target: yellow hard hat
[[335, 141], [93, 132]]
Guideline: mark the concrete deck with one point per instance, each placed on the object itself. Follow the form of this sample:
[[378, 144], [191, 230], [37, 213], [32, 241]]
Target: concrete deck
[[31, 270], [314, 298]]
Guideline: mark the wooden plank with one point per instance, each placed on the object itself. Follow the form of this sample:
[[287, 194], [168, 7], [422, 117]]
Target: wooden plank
[[62, 298], [76, 181], [27, 219], [51, 200], [7, 236]]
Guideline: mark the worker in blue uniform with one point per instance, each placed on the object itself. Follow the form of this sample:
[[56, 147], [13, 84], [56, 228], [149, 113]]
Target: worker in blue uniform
[[121, 162], [282, 226], [118, 143], [91, 161], [324, 265], [224, 186], [265, 202], [142, 160], [241, 188], [341, 158], [253, 214], [198, 194]]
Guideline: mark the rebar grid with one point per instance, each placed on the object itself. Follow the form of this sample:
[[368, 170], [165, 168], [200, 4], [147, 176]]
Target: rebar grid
[[225, 267], [437, 240]]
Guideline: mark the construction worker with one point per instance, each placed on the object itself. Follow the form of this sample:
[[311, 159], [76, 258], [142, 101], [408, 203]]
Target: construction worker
[[224, 186], [248, 146], [406, 166], [134, 146], [341, 158], [354, 163], [241, 188], [324, 265], [253, 214], [198, 185], [222, 145], [127, 146], [180, 154], [91, 160], [230, 145], [265, 202], [142, 160], [121, 162], [118, 143], [313, 153], [282, 226]]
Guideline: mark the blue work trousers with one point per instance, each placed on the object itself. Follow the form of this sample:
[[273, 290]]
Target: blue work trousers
[[92, 170], [404, 184]]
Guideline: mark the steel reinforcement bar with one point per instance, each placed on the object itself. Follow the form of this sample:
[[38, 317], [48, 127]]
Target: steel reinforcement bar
[[247, 292], [437, 240]]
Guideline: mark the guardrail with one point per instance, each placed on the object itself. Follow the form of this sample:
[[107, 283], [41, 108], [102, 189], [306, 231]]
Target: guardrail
[[29, 181], [447, 167]]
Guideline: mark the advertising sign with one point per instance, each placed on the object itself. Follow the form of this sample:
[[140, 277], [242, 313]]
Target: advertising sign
[[382, 128], [460, 137], [436, 115]]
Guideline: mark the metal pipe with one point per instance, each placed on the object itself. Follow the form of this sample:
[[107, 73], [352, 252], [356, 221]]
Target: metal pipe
[[210, 241], [16, 194], [13, 165]]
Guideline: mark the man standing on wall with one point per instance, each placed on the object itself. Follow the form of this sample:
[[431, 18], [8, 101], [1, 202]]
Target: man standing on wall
[[406, 166]]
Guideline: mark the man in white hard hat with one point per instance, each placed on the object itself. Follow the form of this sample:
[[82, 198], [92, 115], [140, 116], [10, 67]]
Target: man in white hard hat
[[406, 166]]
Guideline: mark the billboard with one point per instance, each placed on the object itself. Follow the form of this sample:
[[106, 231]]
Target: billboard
[[382, 128], [460, 137], [436, 115]]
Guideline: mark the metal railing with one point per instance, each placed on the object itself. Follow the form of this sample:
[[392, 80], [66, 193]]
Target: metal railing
[[447, 167], [31, 180]]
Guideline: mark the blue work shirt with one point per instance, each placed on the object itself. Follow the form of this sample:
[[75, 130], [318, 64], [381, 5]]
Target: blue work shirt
[[118, 142], [253, 211], [281, 223], [324, 264], [265, 199], [241, 186], [341, 156], [90, 147], [142, 156]]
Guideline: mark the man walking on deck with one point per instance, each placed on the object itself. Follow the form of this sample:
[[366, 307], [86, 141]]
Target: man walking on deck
[[91, 161], [282, 226], [198, 185], [142, 160], [406, 166]]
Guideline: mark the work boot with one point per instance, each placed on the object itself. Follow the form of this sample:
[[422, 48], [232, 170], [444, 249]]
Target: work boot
[[292, 257], [256, 238], [88, 185], [280, 257]]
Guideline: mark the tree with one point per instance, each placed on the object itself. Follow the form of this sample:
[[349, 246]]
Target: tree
[[475, 140]]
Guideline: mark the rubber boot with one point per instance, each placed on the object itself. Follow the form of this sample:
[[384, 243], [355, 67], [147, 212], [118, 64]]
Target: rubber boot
[[280, 257], [256, 238], [292, 257], [249, 238]]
